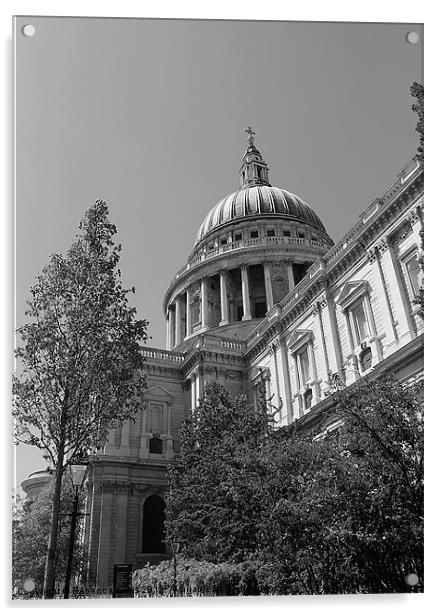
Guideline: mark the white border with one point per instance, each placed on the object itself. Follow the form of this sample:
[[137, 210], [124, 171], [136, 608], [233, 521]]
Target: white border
[[320, 10]]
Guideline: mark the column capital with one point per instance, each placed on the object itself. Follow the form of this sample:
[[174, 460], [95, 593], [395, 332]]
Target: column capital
[[383, 244], [371, 255]]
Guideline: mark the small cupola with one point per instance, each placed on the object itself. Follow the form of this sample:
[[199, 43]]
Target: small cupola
[[254, 170]]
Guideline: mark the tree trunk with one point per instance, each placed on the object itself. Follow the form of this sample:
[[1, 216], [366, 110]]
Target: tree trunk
[[49, 581]]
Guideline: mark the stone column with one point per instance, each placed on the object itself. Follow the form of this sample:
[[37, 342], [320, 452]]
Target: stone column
[[381, 292], [335, 358], [286, 380], [291, 278], [224, 301], [402, 304], [121, 523], [169, 330], [178, 330], [188, 313], [268, 286], [245, 293], [170, 327], [102, 579], [317, 310], [273, 351], [204, 305]]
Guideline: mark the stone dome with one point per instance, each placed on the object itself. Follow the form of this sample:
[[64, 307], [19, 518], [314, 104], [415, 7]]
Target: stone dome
[[255, 201]]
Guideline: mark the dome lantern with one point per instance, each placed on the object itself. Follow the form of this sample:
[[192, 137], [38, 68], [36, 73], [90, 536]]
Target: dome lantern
[[254, 170]]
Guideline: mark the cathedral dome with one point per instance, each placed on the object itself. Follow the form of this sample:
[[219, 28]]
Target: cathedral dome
[[258, 200]]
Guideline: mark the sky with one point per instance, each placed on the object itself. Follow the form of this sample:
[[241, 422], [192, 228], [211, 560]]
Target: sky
[[150, 114]]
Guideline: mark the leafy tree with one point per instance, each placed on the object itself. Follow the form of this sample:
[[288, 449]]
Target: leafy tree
[[417, 92], [31, 525], [214, 500], [79, 358], [329, 511]]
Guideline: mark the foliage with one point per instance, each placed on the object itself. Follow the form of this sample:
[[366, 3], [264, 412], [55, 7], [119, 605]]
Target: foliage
[[212, 505], [79, 357], [195, 578], [335, 511], [30, 532], [80, 352], [417, 92]]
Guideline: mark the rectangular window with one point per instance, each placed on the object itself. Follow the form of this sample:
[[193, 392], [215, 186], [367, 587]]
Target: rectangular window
[[414, 272], [270, 232], [254, 234], [286, 232], [304, 365], [156, 418], [223, 241], [238, 237], [360, 324], [301, 234]]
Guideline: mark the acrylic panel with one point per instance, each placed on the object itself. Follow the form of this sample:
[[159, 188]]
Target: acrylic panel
[[265, 183]]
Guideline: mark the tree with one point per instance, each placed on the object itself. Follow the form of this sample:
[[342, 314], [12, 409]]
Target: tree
[[214, 499], [324, 511], [79, 357], [31, 525], [417, 92]]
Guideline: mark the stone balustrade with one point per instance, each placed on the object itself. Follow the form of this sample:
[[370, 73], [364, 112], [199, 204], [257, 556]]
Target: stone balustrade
[[151, 353]]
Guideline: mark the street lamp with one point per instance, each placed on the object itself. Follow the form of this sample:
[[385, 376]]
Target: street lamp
[[77, 473], [175, 550]]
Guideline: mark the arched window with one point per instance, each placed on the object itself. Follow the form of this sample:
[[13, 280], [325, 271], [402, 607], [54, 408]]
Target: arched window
[[365, 359], [155, 445], [153, 525]]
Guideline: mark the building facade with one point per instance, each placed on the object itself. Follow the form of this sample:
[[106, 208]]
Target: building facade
[[265, 298]]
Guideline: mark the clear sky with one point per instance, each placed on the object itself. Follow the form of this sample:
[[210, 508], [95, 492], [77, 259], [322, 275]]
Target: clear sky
[[149, 115]]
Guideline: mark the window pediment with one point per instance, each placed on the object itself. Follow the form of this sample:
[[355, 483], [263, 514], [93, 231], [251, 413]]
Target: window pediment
[[351, 292], [258, 373], [157, 393], [298, 338]]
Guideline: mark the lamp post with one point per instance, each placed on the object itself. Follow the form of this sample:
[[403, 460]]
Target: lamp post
[[175, 550], [77, 473]]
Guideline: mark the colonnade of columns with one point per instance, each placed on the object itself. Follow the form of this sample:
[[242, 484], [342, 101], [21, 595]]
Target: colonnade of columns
[[179, 328]]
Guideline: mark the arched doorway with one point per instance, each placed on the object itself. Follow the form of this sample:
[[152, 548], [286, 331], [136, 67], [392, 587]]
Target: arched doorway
[[153, 525]]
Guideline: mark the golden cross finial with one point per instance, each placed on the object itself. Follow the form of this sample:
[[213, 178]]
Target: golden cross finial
[[250, 134]]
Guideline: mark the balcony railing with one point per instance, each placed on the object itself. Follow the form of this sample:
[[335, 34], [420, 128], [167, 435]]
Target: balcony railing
[[150, 353], [247, 243]]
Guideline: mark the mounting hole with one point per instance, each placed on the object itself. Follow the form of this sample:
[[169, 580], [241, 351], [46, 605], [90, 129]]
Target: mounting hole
[[29, 585], [29, 30], [412, 37], [411, 579]]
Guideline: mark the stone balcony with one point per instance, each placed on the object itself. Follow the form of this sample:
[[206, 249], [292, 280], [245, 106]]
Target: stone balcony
[[260, 242]]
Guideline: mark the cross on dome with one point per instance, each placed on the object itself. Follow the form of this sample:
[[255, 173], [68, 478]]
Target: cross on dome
[[250, 134]]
